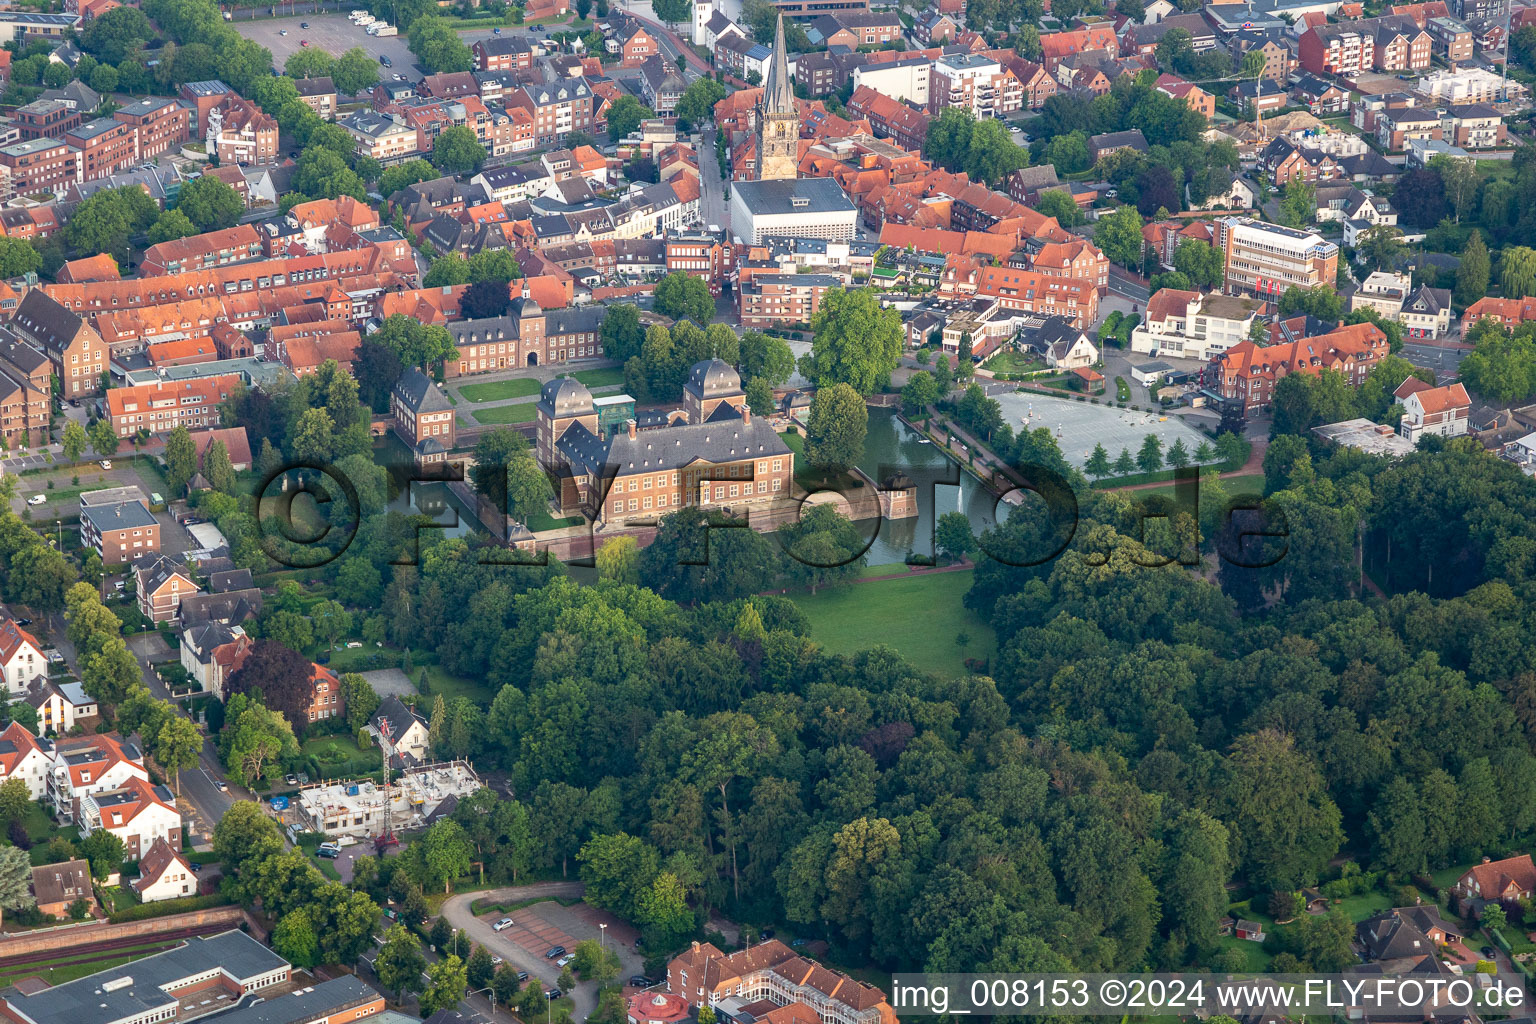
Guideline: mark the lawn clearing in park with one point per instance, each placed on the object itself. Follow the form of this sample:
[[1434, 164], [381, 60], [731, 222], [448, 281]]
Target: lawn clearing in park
[[523, 412], [500, 390], [920, 617], [602, 378]]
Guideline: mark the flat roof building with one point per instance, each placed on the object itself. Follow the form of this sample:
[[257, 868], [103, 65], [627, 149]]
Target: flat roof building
[[793, 207]]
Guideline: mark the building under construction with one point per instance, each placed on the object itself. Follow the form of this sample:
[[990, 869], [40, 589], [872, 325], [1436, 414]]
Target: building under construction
[[369, 810]]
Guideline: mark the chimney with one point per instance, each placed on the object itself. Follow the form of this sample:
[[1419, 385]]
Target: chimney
[[746, 415], [1487, 859], [630, 426]]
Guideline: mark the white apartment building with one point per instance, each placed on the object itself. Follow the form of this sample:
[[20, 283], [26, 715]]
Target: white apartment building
[[906, 80], [1189, 325], [976, 83], [1383, 292], [1268, 258], [23, 756], [1469, 85]]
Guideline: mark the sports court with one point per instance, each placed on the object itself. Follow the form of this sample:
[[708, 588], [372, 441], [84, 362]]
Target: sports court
[[1078, 426]]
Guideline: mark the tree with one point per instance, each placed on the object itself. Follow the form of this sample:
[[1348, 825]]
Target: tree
[[1420, 198], [255, 738], [171, 225], [625, 115], [177, 746], [506, 472], [760, 396], [1156, 189], [409, 173], [400, 963], [1517, 271], [920, 391], [856, 342], [15, 880], [74, 441], [415, 343], [103, 439], [218, 468], [105, 852], [294, 939], [1200, 262], [210, 203], [836, 428], [765, 357], [485, 299], [1283, 824], [355, 72], [457, 150], [110, 672], [1178, 454], [618, 559], [1381, 247], [697, 103], [17, 257], [1150, 458], [1474, 272], [180, 459], [673, 12], [107, 220], [953, 536], [279, 673], [1058, 203], [1460, 180], [435, 43], [14, 800], [1125, 463], [445, 852], [1299, 203], [1097, 465], [680, 295], [445, 986], [479, 970], [1118, 235]]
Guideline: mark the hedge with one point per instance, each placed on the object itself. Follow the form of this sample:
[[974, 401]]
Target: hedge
[[164, 908]]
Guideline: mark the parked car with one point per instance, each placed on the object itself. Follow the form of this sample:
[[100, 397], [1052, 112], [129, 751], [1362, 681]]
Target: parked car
[[1488, 952], [303, 24], [553, 993], [23, 622], [565, 959], [353, 644], [640, 981], [504, 923], [291, 779], [554, 951], [37, 499], [282, 31], [221, 786], [105, 463], [328, 852], [303, 42], [496, 961], [522, 975], [384, 60]]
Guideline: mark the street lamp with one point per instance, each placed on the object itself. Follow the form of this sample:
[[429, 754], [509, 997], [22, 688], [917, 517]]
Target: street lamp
[[550, 1004], [602, 935], [489, 991]]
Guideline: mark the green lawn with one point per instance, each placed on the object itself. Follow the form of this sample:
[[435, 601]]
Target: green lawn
[[1365, 904], [438, 681], [920, 617], [1258, 960], [523, 412], [542, 520], [497, 390], [1122, 390], [1013, 362], [1245, 483], [602, 378]]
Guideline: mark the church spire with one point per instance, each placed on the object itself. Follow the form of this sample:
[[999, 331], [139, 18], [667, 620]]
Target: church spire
[[779, 89]]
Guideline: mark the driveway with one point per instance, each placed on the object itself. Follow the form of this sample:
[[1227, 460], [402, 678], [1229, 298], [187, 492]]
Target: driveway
[[552, 921]]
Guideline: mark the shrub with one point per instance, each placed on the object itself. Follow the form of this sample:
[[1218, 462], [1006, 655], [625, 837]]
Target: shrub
[[144, 911]]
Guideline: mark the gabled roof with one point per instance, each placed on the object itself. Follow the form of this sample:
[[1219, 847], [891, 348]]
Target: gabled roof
[[62, 883], [156, 862], [417, 392]]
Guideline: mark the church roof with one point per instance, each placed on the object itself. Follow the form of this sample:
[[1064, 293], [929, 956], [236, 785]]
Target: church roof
[[778, 87]]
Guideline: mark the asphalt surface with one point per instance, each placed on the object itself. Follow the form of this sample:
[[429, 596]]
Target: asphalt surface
[[457, 910], [333, 33]]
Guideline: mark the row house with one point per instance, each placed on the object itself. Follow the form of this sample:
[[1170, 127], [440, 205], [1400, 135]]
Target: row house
[[159, 123], [1507, 313], [1322, 97], [890, 119], [1056, 46], [854, 29], [1196, 98], [382, 137], [1143, 40], [1250, 373], [503, 53], [40, 165], [1073, 299], [558, 108], [131, 330], [1284, 161], [1395, 127], [449, 85], [77, 353], [1451, 38], [26, 388], [240, 133], [1037, 83], [45, 119], [319, 95], [1474, 126], [1400, 45], [165, 405], [742, 57], [1077, 259], [1341, 49], [200, 252]]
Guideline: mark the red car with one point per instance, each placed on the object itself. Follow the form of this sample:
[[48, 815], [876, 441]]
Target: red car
[[303, 42]]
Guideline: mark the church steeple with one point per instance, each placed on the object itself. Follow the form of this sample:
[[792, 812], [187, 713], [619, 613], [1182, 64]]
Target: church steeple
[[779, 88], [778, 119]]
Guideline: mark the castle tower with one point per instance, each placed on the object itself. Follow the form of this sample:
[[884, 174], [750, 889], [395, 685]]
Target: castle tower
[[778, 122]]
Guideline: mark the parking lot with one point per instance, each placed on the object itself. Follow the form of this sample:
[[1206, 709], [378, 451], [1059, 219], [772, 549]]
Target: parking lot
[[333, 33]]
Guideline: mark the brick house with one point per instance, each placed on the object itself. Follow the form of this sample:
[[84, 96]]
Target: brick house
[[1250, 372], [78, 354], [25, 389], [422, 416], [1505, 881], [161, 585], [1337, 50], [324, 695], [165, 405], [120, 531]]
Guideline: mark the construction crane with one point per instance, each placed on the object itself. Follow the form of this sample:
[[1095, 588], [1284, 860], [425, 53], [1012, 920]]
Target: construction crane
[[387, 837]]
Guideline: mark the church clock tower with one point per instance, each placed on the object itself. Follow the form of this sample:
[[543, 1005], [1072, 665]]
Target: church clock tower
[[778, 122]]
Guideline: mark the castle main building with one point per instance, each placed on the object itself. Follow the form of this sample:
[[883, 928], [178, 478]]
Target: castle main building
[[711, 452]]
